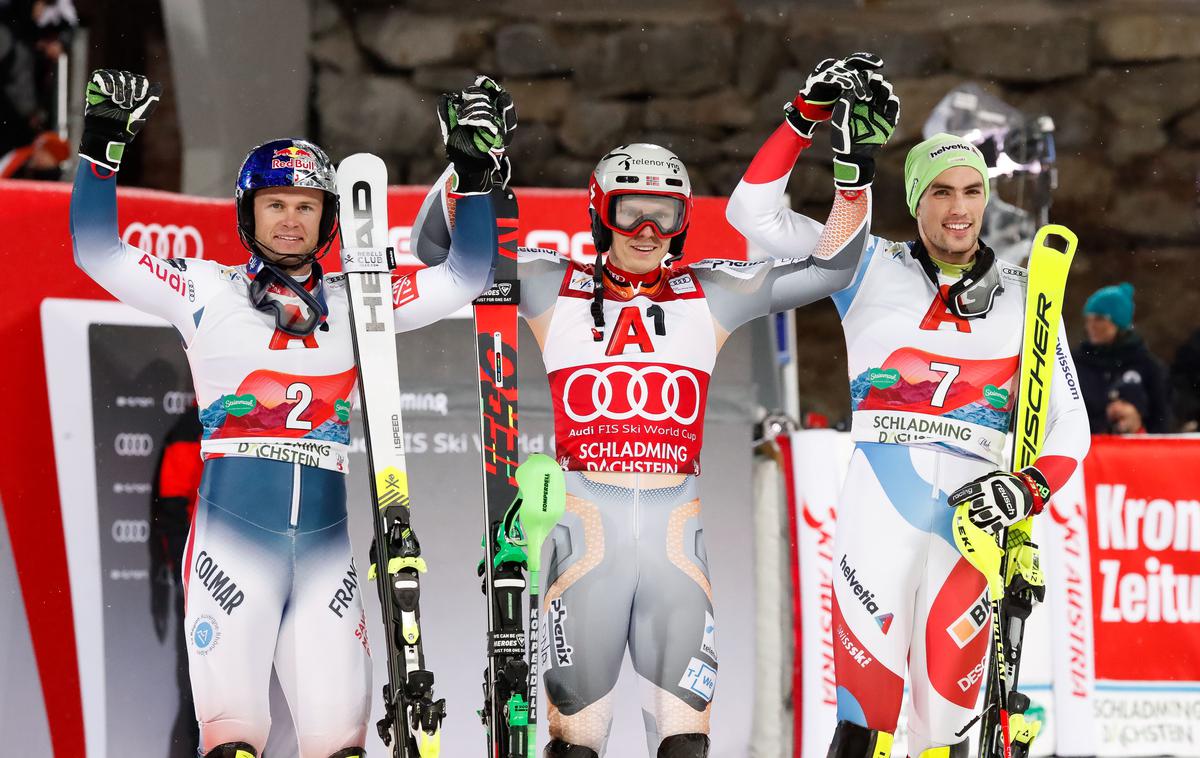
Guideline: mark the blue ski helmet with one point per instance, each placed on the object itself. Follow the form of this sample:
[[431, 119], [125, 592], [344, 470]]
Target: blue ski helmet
[[287, 162]]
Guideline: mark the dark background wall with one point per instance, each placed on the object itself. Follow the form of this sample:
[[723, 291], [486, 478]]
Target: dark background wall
[[708, 78]]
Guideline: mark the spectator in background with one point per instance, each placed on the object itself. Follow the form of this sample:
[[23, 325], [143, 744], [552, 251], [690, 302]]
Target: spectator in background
[[34, 35], [1185, 380], [172, 502], [1126, 409], [1114, 354]]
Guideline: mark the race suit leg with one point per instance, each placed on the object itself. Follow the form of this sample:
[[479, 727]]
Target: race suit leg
[[586, 614], [902, 593], [248, 575], [672, 634], [322, 657], [628, 565]]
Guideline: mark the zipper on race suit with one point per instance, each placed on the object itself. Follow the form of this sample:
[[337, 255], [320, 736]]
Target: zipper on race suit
[[294, 519]]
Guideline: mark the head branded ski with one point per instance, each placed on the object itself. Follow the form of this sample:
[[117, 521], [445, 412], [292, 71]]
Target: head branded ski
[[412, 722]]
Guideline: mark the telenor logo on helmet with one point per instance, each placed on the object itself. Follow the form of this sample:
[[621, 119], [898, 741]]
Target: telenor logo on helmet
[[295, 158]]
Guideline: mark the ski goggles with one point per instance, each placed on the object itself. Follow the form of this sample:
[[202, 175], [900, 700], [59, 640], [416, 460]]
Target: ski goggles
[[629, 213], [297, 311]]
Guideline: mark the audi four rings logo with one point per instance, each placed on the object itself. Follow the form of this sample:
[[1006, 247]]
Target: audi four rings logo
[[137, 445], [165, 240], [606, 403], [176, 403], [131, 530]]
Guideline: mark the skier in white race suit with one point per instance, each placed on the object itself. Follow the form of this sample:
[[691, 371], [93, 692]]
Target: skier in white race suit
[[933, 336], [268, 572], [629, 345]]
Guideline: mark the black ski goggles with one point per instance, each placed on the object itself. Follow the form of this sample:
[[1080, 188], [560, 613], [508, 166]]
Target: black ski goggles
[[629, 213], [297, 311]]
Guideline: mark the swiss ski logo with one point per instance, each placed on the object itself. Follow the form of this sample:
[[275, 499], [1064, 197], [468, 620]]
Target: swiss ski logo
[[885, 622]]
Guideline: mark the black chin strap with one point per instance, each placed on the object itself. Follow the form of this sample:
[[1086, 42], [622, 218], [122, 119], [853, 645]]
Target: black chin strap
[[982, 264]]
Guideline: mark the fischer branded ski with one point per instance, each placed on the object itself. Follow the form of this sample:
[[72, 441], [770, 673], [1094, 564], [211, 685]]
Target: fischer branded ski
[[412, 721], [1005, 732], [506, 711]]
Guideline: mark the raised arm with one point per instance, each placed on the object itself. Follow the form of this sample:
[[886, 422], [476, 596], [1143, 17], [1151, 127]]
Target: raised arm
[[462, 268], [455, 230], [117, 105], [851, 94], [738, 292], [811, 261]]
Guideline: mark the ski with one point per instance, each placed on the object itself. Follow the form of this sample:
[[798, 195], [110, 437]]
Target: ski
[[506, 710], [411, 726], [1005, 731]]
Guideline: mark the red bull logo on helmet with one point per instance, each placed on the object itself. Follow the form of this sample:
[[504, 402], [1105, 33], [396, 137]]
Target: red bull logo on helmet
[[295, 158]]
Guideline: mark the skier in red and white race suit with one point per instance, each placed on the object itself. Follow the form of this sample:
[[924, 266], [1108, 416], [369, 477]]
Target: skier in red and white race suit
[[629, 345], [268, 570], [933, 335]]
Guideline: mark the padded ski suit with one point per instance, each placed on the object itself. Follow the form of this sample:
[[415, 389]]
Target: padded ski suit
[[268, 571], [931, 395], [628, 565]]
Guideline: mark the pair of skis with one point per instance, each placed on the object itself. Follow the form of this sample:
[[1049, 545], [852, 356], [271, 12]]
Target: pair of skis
[[516, 526], [1005, 732], [521, 506]]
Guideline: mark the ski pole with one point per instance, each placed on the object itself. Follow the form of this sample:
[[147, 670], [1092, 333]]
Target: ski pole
[[544, 500]]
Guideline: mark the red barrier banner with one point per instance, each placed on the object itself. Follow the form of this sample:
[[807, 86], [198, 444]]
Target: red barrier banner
[[1143, 516], [1144, 527]]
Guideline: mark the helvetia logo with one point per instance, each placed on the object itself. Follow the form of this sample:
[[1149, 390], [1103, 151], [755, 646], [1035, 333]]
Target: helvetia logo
[[864, 595]]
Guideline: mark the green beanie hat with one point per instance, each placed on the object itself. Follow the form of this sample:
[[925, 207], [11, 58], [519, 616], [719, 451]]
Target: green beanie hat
[[932, 157], [1114, 303]]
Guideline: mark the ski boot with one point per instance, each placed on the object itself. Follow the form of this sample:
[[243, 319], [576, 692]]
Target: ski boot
[[232, 750], [949, 751], [684, 746], [560, 749], [853, 741]]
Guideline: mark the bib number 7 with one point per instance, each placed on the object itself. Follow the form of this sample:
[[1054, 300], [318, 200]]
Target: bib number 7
[[949, 372]]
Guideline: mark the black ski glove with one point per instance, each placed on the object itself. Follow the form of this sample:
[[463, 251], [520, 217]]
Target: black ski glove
[[473, 133], [862, 125], [117, 106], [829, 80]]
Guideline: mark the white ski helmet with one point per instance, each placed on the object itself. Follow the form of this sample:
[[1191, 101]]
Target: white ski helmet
[[643, 170]]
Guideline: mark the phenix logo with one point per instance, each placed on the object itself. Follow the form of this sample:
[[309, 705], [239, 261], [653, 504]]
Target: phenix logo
[[864, 595], [295, 158], [562, 651]]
